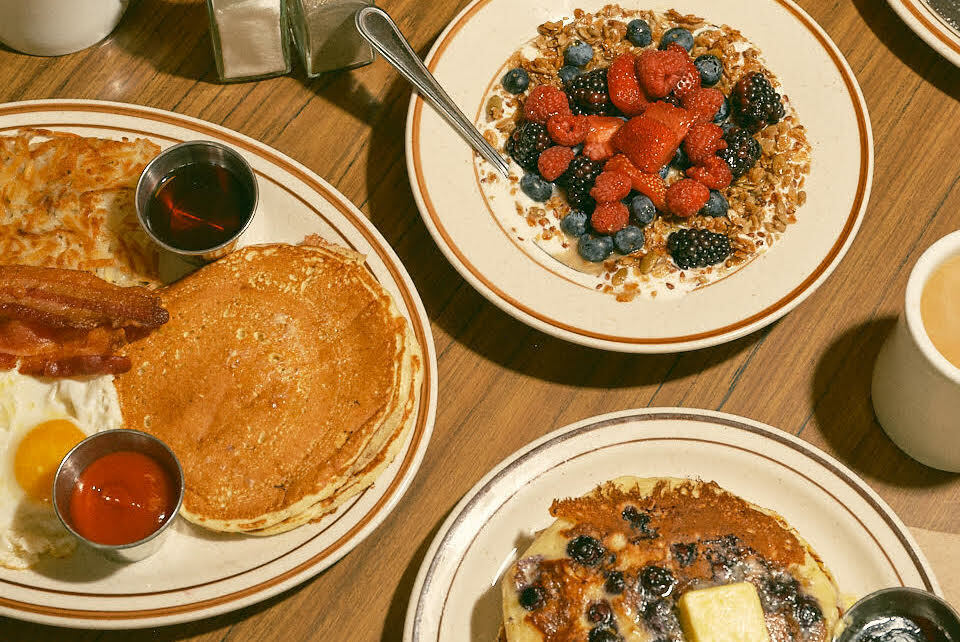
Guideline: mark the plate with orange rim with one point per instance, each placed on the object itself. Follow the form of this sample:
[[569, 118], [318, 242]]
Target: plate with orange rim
[[199, 573], [494, 250], [930, 26]]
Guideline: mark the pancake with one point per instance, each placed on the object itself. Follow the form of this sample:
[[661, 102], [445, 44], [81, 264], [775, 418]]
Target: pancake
[[66, 201], [285, 374], [637, 545]]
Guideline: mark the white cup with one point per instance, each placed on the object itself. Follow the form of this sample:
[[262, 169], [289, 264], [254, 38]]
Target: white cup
[[57, 27], [916, 390]]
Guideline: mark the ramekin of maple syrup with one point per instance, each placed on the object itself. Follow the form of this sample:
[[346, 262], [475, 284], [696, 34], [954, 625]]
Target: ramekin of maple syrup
[[195, 199]]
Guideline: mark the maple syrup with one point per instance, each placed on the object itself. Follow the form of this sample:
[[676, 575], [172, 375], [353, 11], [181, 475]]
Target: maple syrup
[[198, 207]]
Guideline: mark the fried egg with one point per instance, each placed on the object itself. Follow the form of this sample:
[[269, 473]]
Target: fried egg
[[40, 421]]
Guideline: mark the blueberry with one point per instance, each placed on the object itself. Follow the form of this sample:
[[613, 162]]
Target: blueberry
[[578, 54], [657, 580], [585, 549], [575, 223], [638, 33], [680, 159], [603, 634], [531, 597], [642, 209], [664, 172], [615, 583], [568, 73], [724, 112], [726, 127], [807, 612], [577, 149], [685, 554], [595, 249], [536, 188], [628, 240], [600, 612], [710, 68], [716, 205], [678, 35], [516, 81]]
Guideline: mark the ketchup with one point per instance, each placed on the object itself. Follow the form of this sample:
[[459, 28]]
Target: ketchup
[[121, 498]]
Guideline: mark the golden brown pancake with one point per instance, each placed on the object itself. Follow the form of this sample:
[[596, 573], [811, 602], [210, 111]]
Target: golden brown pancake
[[284, 372], [632, 547]]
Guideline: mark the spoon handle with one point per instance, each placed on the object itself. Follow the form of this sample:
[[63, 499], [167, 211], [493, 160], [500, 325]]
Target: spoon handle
[[376, 26]]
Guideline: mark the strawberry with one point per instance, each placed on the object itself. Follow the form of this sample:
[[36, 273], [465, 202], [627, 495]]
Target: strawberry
[[600, 130], [659, 71], [703, 104], [714, 173], [650, 184], [689, 75], [623, 87], [567, 129], [543, 102], [676, 118], [647, 142], [703, 141], [609, 218], [686, 197], [611, 186], [553, 161]]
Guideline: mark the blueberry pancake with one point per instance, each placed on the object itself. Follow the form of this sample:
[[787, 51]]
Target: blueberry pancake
[[667, 559]]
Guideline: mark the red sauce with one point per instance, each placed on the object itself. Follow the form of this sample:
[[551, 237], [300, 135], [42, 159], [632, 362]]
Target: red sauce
[[121, 498]]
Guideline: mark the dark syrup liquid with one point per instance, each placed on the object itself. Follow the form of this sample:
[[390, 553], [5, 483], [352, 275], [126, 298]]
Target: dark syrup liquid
[[198, 207]]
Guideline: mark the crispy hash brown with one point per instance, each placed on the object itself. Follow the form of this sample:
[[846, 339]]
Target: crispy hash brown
[[66, 201]]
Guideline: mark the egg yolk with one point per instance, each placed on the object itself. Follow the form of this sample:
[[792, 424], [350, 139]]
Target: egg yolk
[[39, 454]]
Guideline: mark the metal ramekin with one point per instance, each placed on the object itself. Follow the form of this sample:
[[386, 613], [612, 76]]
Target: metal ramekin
[[908, 603]]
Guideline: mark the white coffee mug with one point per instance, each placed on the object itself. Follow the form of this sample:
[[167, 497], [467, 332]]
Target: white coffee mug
[[916, 390], [57, 27]]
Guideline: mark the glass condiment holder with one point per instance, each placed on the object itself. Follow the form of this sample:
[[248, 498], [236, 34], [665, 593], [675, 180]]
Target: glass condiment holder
[[326, 35], [250, 39]]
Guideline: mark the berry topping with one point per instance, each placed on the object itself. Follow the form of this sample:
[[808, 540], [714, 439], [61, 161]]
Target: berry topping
[[577, 54], [597, 144], [647, 142], [710, 68], [594, 249], [625, 91], [806, 612], [638, 33], [677, 35], [703, 104], [703, 141], [713, 172], [628, 240], [568, 73], [516, 81], [615, 584], [536, 188], [742, 152], [610, 186], [543, 102], [642, 210], [579, 181], [659, 71], [657, 580], [692, 248], [685, 554], [567, 129], [716, 205], [554, 161], [600, 612], [575, 223], [686, 197], [603, 634], [609, 218], [589, 93], [531, 597], [756, 103], [526, 143]]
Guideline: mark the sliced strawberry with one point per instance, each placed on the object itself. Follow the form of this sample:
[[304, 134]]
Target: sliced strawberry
[[553, 161], [650, 184], [543, 102], [703, 104], [647, 142], [686, 197], [714, 173], [703, 141], [689, 79], [600, 130], [676, 118], [611, 186], [567, 129], [623, 87], [609, 218], [659, 72]]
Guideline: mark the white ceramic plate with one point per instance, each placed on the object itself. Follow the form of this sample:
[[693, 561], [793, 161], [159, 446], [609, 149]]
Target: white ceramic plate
[[931, 28], [199, 573], [457, 595], [467, 57]]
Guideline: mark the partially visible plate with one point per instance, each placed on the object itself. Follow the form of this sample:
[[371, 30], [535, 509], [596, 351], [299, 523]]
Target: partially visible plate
[[930, 26], [457, 593], [545, 294], [200, 573]]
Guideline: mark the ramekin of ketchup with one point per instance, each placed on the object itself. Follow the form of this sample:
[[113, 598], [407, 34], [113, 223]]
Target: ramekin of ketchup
[[117, 491]]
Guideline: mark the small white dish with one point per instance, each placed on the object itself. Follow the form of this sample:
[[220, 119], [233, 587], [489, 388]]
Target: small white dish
[[457, 594], [931, 28], [57, 27]]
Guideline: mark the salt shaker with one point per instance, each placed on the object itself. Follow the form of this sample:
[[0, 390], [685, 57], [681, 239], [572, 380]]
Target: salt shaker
[[326, 35], [250, 38]]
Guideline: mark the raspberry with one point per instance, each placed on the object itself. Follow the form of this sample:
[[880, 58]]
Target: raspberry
[[567, 129], [659, 72], [554, 161], [648, 143], [600, 130], [543, 102], [689, 79], [625, 91], [611, 186], [714, 173], [703, 104], [686, 197], [609, 218], [703, 141], [649, 184]]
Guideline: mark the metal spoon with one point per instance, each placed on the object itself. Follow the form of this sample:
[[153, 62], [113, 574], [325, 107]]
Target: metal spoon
[[383, 34]]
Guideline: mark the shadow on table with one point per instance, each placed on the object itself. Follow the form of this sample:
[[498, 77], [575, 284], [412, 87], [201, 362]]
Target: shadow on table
[[909, 47], [844, 410]]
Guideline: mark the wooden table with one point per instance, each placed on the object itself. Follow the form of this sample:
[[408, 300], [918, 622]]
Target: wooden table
[[503, 384]]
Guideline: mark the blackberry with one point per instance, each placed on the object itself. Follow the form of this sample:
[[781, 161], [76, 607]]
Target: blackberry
[[742, 152], [526, 142], [590, 95], [756, 103], [579, 179], [585, 550], [691, 248]]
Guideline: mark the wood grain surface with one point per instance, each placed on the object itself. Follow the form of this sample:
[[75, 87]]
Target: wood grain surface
[[503, 384]]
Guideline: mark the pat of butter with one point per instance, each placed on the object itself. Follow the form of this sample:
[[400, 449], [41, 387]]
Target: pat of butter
[[730, 613]]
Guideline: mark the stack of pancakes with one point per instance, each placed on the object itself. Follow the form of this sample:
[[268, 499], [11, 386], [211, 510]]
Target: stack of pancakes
[[285, 381]]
